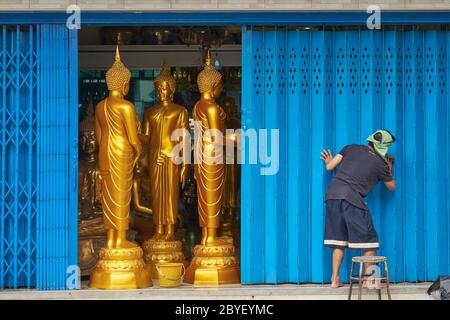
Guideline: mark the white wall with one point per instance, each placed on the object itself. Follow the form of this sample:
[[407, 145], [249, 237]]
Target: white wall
[[165, 5]]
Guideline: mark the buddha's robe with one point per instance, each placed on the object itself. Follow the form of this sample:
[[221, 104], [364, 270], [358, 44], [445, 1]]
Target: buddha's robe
[[160, 122], [117, 132], [209, 173]]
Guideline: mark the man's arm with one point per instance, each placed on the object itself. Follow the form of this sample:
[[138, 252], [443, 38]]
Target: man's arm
[[391, 183], [330, 162]]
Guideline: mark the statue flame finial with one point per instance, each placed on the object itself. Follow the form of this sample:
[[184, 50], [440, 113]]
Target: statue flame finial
[[117, 53], [208, 58]]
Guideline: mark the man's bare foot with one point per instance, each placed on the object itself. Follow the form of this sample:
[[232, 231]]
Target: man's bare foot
[[336, 283]]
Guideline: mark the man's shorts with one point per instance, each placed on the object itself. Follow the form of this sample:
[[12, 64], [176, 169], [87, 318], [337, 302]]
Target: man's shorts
[[349, 226]]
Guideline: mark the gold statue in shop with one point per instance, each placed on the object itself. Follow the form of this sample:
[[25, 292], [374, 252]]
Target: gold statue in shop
[[160, 122], [214, 262], [91, 232], [167, 170], [116, 127], [232, 175], [89, 191]]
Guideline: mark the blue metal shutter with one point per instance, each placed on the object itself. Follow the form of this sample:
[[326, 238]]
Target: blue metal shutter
[[18, 73], [57, 156], [38, 117], [326, 89]]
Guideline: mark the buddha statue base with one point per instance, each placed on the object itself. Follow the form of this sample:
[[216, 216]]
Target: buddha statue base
[[213, 265], [121, 268], [88, 249], [158, 251], [227, 239]]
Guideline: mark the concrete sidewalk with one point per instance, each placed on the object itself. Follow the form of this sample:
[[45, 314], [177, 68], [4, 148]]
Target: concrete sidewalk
[[402, 291]]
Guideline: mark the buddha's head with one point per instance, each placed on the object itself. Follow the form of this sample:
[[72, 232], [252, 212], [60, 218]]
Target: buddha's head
[[229, 106], [164, 84], [209, 79], [118, 76]]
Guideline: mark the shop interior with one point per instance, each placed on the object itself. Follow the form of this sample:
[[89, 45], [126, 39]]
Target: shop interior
[[143, 50]]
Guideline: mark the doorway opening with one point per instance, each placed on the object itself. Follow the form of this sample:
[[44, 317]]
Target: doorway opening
[[143, 50]]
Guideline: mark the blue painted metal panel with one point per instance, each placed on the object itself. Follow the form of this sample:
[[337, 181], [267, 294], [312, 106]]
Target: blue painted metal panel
[[443, 140], [431, 154], [229, 18], [389, 115], [252, 181], [410, 150], [293, 154], [341, 86], [18, 71], [318, 105], [57, 156], [72, 245], [270, 122], [38, 204]]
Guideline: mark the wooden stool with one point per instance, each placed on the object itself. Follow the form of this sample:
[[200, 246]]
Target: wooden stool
[[363, 277]]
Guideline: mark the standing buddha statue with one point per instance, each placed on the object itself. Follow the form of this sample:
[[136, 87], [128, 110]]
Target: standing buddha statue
[[116, 127], [214, 262], [166, 175]]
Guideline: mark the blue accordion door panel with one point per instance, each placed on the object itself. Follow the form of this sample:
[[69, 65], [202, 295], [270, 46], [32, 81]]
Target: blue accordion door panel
[[57, 158], [18, 118], [324, 89], [38, 240]]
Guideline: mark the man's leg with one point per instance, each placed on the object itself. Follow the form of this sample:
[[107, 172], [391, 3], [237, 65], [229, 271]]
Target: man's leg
[[369, 253], [338, 256]]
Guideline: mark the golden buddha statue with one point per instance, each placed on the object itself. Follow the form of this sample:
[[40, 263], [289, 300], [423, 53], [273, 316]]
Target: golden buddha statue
[[89, 191], [166, 176], [232, 174], [116, 127], [91, 233], [214, 261], [141, 218]]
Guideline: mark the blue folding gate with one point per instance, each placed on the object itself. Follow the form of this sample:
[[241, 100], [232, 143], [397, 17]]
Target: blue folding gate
[[325, 89], [38, 140], [321, 89]]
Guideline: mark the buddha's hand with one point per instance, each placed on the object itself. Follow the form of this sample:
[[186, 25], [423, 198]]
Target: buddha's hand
[[136, 159]]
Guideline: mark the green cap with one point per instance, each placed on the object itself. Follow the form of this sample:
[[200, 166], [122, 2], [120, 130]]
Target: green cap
[[381, 147]]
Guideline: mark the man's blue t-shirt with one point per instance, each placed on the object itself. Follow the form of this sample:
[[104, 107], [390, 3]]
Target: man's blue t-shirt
[[357, 174]]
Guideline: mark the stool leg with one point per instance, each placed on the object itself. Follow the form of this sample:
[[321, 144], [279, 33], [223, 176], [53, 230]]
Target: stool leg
[[388, 288], [351, 282], [360, 280], [379, 294]]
